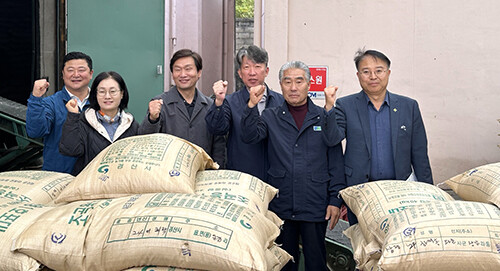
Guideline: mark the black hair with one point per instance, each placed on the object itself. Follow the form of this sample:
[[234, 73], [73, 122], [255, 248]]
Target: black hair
[[362, 53], [184, 53], [252, 52], [77, 55], [105, 75]]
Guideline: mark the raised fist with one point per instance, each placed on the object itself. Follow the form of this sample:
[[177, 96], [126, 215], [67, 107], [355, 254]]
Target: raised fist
[[256, 94], [155, 109], [40, 87], [72, 106], [330, 96], [220, 90]]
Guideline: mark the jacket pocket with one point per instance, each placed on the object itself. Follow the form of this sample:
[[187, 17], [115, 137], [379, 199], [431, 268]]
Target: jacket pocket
[[317, 192], [276, 173], [348, 171], [320, 178], [276, 177]]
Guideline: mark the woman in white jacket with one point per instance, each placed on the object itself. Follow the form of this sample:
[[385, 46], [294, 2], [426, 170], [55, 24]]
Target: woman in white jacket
[[105, 121]]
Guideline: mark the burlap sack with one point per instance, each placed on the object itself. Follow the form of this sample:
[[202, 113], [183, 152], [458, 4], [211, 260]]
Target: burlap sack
[[372, 265], [57, 238], [15, 216], [34, 186], [140, 164], [184, 230], [159, 268], [363, 251], [441, 236], [238, 187], [274, 218], [373, 200], [275, 256], [478, 184]]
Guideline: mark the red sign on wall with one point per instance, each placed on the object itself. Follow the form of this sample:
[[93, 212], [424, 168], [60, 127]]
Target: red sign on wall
[[319, 77]]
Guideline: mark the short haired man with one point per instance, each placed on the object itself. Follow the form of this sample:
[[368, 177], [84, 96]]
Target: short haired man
[[224, 115], [385, 134], [181, 110], [45, 116], [304, 166]]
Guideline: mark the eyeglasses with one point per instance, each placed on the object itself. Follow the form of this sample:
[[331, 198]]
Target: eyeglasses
[[377, 72], [112, 92]]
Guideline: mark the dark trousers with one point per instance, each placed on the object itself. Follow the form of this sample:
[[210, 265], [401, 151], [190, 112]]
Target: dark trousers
[[312, 235]]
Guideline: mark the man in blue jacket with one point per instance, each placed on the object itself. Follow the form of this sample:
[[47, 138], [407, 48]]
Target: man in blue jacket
[[304, 166], [384, 132], [224, 116], [45, 116]]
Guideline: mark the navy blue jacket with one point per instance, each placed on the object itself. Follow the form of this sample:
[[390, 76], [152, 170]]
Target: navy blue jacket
[[44, 119], [409, 140], [225, 120], [308, 173]]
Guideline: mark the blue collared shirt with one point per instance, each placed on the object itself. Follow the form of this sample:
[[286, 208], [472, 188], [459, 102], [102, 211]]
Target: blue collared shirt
[[382, 161], [110, 124], [81, 104]]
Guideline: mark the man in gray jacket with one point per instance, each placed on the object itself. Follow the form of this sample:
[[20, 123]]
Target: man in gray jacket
[[181, 110]]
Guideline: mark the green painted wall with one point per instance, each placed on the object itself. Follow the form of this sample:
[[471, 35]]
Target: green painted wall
[[125, 36]]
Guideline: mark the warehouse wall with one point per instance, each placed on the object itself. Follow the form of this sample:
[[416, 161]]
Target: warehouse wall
[[444, 54]]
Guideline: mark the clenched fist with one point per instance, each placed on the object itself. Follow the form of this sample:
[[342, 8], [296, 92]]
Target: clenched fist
[[40, 87], [256, 94], [154, 109], [220, 90], [72, 106], [330, 96]]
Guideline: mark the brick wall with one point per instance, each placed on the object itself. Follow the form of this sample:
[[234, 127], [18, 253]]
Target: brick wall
[[244, 36], [244, 32]]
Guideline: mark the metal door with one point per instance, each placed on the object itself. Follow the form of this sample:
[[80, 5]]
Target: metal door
[[126, 36]]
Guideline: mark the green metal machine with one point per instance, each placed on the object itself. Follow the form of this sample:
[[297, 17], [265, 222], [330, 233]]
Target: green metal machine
[[339, 254], [18, 151]]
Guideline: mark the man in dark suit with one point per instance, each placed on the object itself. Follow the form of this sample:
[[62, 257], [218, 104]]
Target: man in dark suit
[[384, 132], [181, 110], [224, 116]]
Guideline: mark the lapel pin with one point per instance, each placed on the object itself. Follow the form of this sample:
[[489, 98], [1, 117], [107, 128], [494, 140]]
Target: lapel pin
[[403, 127], [395, 110]]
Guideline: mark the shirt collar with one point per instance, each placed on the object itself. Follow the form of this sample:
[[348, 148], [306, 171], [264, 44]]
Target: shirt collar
[[80, 103], [386, 99], [107, 119], [194, 98]]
